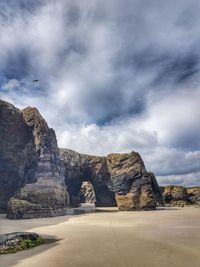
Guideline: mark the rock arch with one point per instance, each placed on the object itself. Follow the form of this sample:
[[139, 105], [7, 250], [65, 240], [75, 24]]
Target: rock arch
[[81, 168]]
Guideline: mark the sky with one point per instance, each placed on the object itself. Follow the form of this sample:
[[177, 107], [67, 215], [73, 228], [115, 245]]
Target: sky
[[114, 76]]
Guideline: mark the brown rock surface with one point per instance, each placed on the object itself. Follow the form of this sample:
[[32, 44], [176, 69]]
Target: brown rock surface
[[87, 193], [175, 195], [132, 183], [34, 173], [80, 168], [156, 189], [121, 174], [193, 195]]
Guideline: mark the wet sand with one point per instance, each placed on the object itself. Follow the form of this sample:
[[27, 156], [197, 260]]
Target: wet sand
[[162, 238]]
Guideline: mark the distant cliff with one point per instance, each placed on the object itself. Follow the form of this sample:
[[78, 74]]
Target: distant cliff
[[39, 180], [174, 195]]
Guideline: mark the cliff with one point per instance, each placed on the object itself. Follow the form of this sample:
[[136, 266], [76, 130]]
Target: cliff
[[174, 195], [30, 171], [18, 157], [39, 180]]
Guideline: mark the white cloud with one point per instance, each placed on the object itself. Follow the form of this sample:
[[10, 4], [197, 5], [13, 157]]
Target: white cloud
[[191, 179], [11, 84], [174, 114], [111, 76]]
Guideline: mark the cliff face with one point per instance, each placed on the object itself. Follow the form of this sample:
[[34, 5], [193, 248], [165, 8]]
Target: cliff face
[[18, 157], [193, 195], [180, 195], [133, 186], [34, 173], [118, 180], [30, 168]]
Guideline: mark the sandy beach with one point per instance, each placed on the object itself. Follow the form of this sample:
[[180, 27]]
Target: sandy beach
[[108, 238]]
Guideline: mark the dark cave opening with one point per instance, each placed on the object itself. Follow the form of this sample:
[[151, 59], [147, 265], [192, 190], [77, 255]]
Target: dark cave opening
[[104, 197]]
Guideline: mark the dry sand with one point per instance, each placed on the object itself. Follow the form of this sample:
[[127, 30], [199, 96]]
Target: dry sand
[[162, 238]]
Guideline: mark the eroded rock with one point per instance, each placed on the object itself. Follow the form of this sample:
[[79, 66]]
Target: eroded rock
[[34, 173], [132, 183], [30, 169], [80, 168], [174, 195], [18, 157], [118, 180], [87, 193]]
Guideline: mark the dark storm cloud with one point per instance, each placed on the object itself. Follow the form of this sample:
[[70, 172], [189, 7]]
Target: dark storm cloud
[[187, 140], [17, 65], [120, 74], [178, 69]]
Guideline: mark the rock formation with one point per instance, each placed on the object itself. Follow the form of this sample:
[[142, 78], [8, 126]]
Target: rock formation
[[34, 173], [156, 189], [80, 168], [132, 183], [13, 242], [174, 195], [118, 180], [18, 158], [30, 168], [87, 193], [193, 195]]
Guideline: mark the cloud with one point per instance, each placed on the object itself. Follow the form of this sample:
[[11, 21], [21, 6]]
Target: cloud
[[191, 179], [11, 84], [113, 76], [106, 139]]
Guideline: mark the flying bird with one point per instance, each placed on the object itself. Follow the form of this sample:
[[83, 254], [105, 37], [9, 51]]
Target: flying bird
[[35, 81]]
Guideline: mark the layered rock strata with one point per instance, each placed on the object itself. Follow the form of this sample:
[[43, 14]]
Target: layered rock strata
[[131, 182], [118, 180], [18, 157], [30, 168], [193, 195], [34, 173], [81, 168], [87, 193], [174, 195]]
